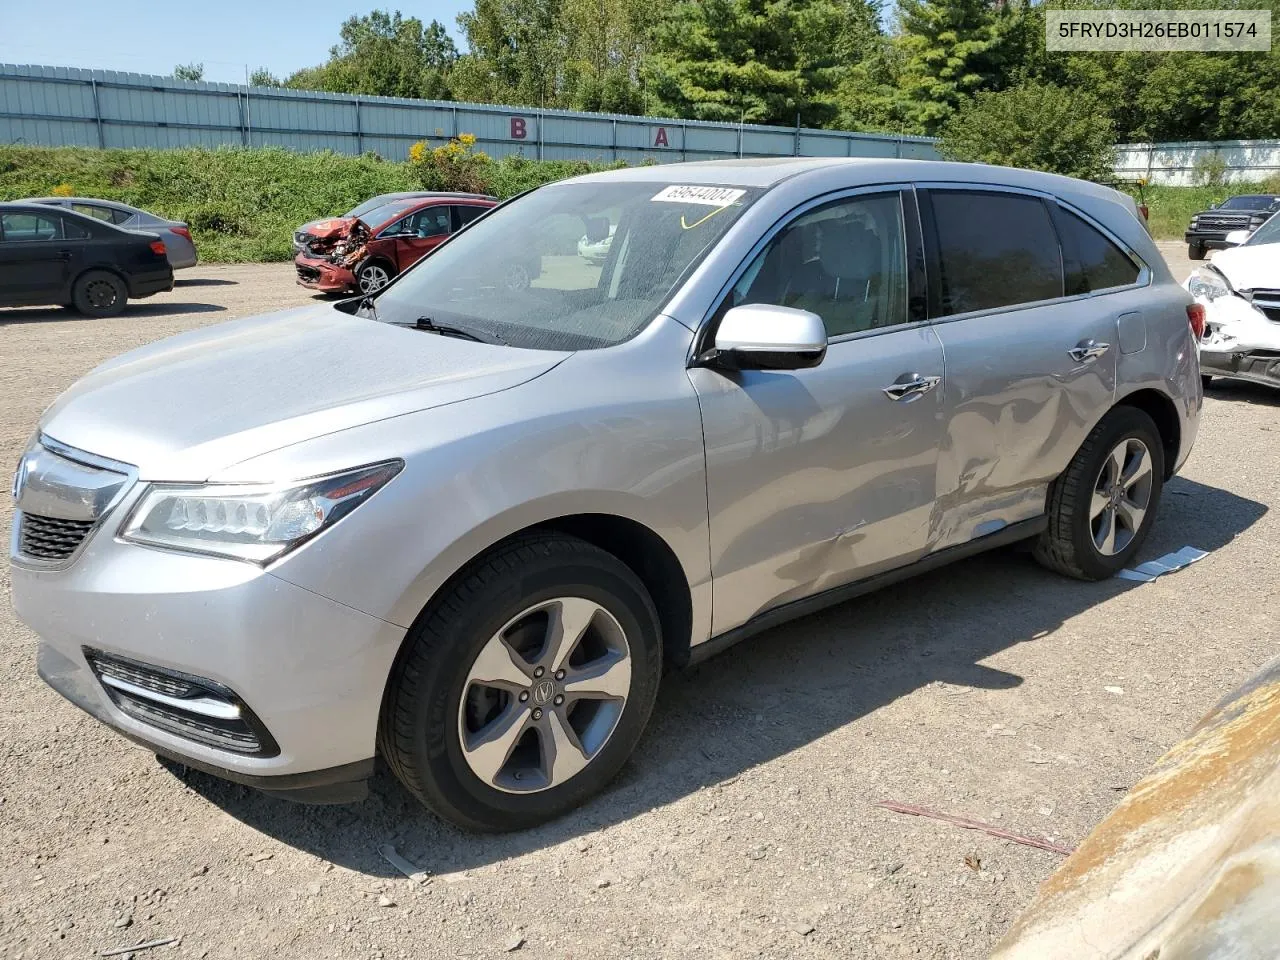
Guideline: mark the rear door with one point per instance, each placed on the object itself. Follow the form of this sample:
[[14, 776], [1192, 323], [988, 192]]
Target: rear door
[[821, 476], [35, 256], [421, 233], [1031, 364]]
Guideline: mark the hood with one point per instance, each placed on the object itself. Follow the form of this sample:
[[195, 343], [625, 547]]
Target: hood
[[188, 407], [1250, 268], [331, 228]]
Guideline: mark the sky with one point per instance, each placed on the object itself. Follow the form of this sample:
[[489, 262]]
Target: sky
[[152, 36]]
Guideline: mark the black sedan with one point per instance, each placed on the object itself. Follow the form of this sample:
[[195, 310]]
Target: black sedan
[[50, 256]]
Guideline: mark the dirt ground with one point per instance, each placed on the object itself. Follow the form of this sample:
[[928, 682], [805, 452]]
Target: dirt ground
[[744, 826]]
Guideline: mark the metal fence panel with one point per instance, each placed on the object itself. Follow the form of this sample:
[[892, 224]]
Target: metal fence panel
[[61, 105]]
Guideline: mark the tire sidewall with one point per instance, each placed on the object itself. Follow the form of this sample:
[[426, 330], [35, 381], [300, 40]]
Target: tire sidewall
[[436, 738], [80, 298], [1124, 423]]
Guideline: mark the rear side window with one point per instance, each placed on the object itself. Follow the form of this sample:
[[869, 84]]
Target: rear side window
[[74, 230], [109, 214], [19, 227], [991, 250], [464, 215], [1091, 261]]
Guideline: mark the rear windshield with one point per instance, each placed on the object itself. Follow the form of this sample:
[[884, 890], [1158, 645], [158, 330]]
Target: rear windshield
[[571, 266]]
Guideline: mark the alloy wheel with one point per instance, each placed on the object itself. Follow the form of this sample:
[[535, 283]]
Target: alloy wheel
[[544, 695], [1121, 496], [373, 278]]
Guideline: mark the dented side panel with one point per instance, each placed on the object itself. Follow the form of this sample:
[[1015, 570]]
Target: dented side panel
[[1188, 865]]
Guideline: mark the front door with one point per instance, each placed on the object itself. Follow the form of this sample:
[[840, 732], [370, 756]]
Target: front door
[[821, 476], [34, 257], [422, 232], [1031, 363]]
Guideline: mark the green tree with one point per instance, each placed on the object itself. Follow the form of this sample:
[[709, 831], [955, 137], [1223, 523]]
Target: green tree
[[262, 77], [1036, 126], [762, 61], [385, 54], [189, 71], [515, 52]]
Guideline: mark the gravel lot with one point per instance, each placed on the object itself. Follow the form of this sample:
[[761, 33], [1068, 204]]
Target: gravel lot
[[744, 825]]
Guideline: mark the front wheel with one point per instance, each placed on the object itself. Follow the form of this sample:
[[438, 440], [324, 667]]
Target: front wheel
[[372, 277], [1195, 251], [524, 688], [1103, 505]]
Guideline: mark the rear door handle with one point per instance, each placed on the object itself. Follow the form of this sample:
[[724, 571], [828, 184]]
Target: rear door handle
[[1087, 351], [910, 386], [64, 254]]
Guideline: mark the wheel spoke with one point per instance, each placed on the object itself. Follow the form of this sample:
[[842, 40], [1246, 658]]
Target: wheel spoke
[[1105, 538], [498, 666], [1097, 504], [607, 677], [1115, 463], [1131, 513], [488, 751], [569, 619], [1137, 470], [562, 755]]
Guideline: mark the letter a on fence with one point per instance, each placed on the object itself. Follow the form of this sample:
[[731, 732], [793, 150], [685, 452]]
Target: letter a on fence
[[660, 140]]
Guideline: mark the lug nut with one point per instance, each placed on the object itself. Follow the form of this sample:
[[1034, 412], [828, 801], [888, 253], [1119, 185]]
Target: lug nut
[[537, 714], [539, 672], [524, 696], [559, 674], [559, 700]]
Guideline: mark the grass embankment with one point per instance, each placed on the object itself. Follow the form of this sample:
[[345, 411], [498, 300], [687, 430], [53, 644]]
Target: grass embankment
[[244, 204]]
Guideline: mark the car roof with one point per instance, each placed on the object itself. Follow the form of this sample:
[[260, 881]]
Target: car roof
[[116, 204], [413, 194], [420, 201], [772, 171]]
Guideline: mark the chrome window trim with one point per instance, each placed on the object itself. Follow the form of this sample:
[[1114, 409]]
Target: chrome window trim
[[832, 196], [83, 457], [1144, 272]]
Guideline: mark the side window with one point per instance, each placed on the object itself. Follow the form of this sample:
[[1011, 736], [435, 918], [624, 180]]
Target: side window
[[18, 227], [992, 250], [845, 261], [1092, 261], [120, 216], [98, 213], [72, 230], [431, 222], [464, 215]]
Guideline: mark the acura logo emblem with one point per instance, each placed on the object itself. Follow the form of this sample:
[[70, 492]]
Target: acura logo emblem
[[543, 692]]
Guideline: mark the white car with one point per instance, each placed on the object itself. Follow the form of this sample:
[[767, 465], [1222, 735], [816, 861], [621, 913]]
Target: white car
[[1240, 290]]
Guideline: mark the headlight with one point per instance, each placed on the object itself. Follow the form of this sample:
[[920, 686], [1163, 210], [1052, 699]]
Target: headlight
[[250, 522], [1208, 284]]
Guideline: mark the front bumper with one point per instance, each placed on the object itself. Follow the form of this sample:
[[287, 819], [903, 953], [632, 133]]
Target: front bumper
[[311, 670], [1254, 366], [317, 273]]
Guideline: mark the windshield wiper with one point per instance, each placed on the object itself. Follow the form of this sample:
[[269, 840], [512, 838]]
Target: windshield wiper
[[429, 325]]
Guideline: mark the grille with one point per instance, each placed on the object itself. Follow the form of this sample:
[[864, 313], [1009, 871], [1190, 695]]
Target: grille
[[1227, 223], [309, 274], [1268, 302], [186, 706], [51, 538]]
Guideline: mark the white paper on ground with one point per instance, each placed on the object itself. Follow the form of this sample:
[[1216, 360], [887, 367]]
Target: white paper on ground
[[1146, 572], [1135, 575]]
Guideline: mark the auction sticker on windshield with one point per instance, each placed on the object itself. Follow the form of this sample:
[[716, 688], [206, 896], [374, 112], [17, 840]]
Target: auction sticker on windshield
[[707, 196]]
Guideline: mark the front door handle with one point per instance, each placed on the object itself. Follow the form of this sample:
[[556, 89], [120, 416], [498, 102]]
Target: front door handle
[[910, 386], [64, 254], [1087, 351]]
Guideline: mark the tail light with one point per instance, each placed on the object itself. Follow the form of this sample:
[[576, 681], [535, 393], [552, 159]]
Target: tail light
[[1195, 316], [157, 247], [185, 232]]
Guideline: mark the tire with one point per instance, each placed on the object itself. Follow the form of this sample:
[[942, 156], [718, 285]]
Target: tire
[[1075, 543], [1195, 251], [373, 275], [99, 294], [436, 710], [1206, 381]]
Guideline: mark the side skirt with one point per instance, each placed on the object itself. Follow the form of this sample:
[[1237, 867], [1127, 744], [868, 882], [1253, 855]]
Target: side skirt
[[1014, 532]]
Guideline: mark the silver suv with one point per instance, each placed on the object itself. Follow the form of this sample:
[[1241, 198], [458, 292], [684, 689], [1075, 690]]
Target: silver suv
[[465, 525]]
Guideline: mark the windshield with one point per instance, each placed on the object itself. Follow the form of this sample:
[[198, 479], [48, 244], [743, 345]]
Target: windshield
[[1248, 203], [374, 203], [537, 274], [386, 212], [1269, 232]]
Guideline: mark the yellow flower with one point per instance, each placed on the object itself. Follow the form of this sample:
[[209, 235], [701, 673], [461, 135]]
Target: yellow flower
[[63, 190], [467, 139], [417, 152]]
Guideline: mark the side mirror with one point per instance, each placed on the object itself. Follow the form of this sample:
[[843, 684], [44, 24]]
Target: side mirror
[[761, 336], [1236, 237]]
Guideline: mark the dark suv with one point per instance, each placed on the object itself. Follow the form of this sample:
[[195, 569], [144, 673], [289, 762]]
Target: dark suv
[[1209, 228]]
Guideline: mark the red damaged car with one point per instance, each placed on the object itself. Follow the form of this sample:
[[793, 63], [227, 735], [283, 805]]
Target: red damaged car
[[363, 253]]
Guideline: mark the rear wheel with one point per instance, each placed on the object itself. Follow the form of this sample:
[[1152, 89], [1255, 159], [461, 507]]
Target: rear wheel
[[99, 294], [1195, 251], [1103, 505], [373, 276], [524, 689]]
